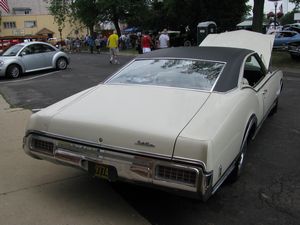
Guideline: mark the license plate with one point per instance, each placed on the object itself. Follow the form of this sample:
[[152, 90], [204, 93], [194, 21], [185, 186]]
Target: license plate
[[103, 171]]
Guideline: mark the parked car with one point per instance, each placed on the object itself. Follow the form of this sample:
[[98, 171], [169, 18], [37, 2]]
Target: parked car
[[294, 49], [179, 119], [282, 38], [6, 43], [31, 56]]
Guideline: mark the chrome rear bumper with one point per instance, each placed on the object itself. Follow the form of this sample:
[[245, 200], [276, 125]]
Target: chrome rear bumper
[[155, 171]]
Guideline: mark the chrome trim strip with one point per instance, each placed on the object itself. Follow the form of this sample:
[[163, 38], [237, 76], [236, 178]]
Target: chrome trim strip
[[219, 75], [224, 176], [42, 68], [190, 161], [101, 146], [157, 86], [241, 75], [185, 58], [120, 149]]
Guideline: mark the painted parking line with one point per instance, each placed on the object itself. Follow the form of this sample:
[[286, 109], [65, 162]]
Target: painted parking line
[[27, 79]]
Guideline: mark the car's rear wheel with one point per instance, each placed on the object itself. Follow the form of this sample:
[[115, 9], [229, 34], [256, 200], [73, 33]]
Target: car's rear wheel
[[239, 165], [13, 71], [61, 63]]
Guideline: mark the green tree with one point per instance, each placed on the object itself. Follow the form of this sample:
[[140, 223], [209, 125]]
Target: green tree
[[60, 10], [122, 10], [87, 12], [227, 14], [288, 18], [173, 14], [296, 2], [155, 14]]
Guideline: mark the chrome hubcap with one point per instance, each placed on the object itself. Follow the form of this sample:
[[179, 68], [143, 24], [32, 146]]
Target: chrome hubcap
[[62, 64], [15, 72]]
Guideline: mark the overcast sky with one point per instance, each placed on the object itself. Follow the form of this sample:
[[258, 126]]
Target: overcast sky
[[269, 6]]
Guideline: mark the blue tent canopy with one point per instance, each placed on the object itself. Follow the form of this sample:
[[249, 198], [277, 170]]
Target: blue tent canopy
[[131, 30]]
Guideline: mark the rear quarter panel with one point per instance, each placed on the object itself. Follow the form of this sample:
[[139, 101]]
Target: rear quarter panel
[[57, 55], [221, 123]]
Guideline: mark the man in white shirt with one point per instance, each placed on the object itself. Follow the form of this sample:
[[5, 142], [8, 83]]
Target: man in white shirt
[[164, 39]]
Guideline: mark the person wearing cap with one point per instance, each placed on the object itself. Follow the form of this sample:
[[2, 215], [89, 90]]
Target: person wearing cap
[[164, 39]]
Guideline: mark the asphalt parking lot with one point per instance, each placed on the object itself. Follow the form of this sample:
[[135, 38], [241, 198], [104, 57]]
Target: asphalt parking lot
[[37, 192]]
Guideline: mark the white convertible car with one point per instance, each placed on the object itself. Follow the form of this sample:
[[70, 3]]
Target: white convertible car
[[179, 119]]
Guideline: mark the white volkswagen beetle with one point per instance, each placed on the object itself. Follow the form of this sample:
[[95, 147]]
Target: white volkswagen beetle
[[179, 118]]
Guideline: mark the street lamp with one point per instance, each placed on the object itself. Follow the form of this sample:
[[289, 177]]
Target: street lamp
[[275, 17]]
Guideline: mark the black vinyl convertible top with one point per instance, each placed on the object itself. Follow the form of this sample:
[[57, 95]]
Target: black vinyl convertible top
[[233, 57]]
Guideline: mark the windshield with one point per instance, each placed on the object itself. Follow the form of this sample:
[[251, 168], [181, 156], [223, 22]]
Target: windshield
[[13, 51], [181, 73]]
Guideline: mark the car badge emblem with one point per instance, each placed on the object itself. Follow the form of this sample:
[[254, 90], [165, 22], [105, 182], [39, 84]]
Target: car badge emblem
[[147, 144]]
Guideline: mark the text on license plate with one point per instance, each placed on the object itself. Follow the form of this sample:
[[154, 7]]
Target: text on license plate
[[101, 171]]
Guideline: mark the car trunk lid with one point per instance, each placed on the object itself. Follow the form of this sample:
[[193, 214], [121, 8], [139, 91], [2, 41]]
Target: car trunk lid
[[137, 118]]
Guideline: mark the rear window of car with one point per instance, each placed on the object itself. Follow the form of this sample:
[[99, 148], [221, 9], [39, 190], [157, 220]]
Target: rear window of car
[[180, 73]]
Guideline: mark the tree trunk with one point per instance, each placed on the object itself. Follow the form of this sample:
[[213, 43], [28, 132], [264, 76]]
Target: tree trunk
[[91, 28], [258, 15], [117, 28], [116, 23]]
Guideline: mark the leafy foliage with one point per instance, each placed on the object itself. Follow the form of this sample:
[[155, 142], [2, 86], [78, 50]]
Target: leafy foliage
[[288, 18], [176, 15], [122, 10], [87, 12], [152, 14], [296, 2], [60, 10]]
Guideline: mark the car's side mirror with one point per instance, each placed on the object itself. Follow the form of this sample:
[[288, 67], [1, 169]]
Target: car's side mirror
[[22, 54]]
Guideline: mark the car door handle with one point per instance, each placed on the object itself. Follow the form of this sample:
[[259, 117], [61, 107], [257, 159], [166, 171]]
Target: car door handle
[[265, 92]]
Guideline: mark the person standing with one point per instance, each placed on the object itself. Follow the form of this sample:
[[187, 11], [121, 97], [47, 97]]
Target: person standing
[[146, 42], [77, 45], [98, 44], [164, 40], [91, 44], [112, 44]]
